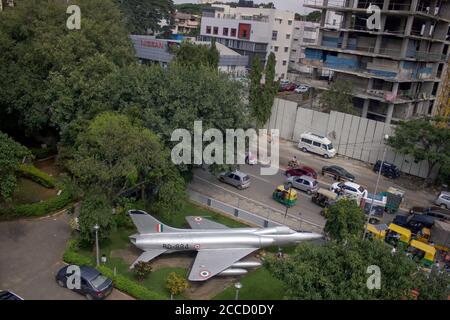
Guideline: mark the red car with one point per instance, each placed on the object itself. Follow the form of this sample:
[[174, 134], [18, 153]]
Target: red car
[[302, 171]]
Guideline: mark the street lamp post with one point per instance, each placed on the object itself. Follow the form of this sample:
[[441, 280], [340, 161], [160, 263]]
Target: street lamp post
[[386, 137], [96, 228], [238, 286]]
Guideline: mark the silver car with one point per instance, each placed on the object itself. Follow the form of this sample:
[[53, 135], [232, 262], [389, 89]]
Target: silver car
[[443, 200], [236, 178], [303, 183]]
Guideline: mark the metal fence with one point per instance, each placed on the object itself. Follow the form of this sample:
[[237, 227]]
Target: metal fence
[[274, 217]]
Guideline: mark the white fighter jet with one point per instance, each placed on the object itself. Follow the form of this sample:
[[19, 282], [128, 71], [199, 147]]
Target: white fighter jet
[[219, 248]]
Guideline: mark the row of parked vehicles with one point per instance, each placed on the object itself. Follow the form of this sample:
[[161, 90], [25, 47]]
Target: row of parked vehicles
[[286, 85]]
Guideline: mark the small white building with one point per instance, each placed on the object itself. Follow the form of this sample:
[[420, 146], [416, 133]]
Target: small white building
[[148, 48], [251, 32]]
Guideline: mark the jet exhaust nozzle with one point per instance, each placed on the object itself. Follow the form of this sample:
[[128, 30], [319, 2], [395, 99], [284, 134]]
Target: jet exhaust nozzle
[[246, 264], [233, 272]]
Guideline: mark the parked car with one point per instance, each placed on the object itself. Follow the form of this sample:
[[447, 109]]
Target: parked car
[[443, 200], [389, 170], [337, 173], [288, 87], [9, 295], [236, 178], [415, 222], [311, 142], [436, 212], [93, 284], [301, 89], [301, 171], [303, 183], [349, 188]]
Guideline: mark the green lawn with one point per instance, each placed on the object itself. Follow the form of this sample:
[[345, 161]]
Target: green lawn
[[257, 285], [178, 219]]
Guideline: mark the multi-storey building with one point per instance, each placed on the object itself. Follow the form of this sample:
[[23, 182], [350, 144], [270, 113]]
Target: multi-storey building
[[151, 49], [305, 33], [251, 32], [395, 65]]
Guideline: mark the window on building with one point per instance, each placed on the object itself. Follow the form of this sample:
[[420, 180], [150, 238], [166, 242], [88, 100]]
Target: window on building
[[297, 28], [275, 49], [225, 32], [282, 76], [284, 62], [289, 22], [216, 30], [233, 32], [208, 29], [293, 50], [310, 29], [288, 36], [334, 22], [295, 39], [292, 61], [274, 35], [307, 40], [286, 49]]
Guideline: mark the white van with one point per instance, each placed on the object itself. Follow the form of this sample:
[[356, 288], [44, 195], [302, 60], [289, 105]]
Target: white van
[[311, 142]]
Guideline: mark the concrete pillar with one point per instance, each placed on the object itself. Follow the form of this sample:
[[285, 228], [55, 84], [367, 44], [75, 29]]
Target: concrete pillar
[[395, 88], [365, 108], [386, 4], [378, 43], [315, 73], [409, 23], [345, 40], [404, 47], [390, 111], [413, 5]]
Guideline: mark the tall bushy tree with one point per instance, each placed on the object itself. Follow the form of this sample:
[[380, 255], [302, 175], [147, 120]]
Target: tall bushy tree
[[113, 155], [339, 270], [195, 55], [39, 52], [11, 154], [345, 220], [145, 15], [424, 141], [255, 91], [338, 98], [270, 88]]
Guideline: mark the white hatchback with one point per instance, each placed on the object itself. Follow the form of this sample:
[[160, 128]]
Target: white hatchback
[[349, 188]]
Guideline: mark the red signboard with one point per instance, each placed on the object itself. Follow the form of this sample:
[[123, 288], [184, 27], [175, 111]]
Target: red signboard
[[152, 43], [244, 31]]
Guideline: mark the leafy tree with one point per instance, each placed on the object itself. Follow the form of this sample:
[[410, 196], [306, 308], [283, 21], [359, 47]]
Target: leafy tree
[[255, 90], [11, 154], [38, 52], [145, 15], [339, 270], [433, 285], [191, 8], [314, 16], [424, 141], [338, 97], [95, 209], [194, 55], [270, 88], [142, 270], [176, 284], [115, 155], [344, 220]]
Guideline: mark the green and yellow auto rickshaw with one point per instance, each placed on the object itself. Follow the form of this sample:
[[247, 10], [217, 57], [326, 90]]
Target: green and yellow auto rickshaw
[[398, 236], [285, 195], [376, 231], [422, 253]]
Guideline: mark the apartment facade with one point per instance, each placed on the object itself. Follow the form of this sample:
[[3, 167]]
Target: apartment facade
[[305, 33], [395, 68], [148, 48], [251, 32]]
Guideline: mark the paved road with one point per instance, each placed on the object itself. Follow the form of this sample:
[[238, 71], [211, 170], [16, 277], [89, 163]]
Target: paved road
[[30, 256]]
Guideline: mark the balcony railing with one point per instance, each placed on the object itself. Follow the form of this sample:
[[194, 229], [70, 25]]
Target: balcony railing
[[258, 18]]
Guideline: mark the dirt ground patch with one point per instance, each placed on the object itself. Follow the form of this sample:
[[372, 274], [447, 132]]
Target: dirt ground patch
[[48, 166]]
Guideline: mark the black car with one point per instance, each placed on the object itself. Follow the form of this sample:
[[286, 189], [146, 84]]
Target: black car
[[415, 222], [389, 170], [93, 284], [8, 295], [436, 212], [338, 173]]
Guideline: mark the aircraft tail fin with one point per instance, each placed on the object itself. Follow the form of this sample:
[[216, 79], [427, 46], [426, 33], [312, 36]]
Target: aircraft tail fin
[[145, 223]]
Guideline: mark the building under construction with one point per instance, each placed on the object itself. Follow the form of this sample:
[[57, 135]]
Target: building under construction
[[395, 63]]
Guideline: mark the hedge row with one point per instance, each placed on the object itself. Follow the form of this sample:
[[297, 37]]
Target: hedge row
[[36, 175], [122, 283], [42, 153], [42, 208]]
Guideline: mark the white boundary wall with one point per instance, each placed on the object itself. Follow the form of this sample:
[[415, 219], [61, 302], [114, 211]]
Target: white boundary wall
[[353, 136]]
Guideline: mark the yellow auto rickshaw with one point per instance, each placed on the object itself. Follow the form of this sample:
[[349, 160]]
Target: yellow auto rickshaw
[[422, 253], [324, 197], [285, 195], [376, 231], [398, 236]]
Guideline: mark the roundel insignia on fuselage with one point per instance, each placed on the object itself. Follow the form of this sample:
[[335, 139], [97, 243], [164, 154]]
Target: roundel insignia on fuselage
[[197, 246], [198, 219], [205, 273]]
